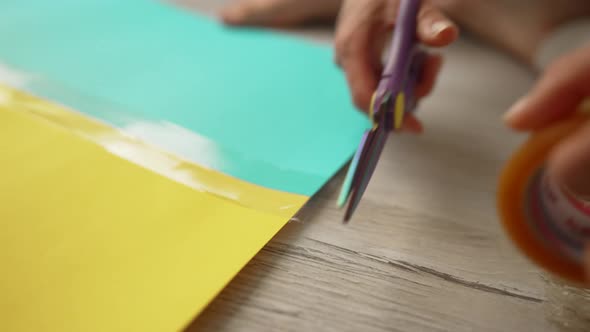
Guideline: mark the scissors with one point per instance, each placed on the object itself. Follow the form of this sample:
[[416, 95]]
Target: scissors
[[391, 101]]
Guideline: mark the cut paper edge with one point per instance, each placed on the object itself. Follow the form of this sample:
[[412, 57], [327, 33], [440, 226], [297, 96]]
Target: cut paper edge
[[159, 133], [166, 164]]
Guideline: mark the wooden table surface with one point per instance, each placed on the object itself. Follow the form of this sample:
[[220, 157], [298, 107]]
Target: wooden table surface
[[425, 251]]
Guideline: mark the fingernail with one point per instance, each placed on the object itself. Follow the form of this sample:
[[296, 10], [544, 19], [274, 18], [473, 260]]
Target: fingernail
[[511, 116], [439, 26]]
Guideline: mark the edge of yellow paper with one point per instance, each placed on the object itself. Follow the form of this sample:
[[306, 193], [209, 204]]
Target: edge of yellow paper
[[172, 166]]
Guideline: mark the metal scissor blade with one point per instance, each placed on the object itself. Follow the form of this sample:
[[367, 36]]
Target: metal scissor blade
[[352, 174], [377, 138]]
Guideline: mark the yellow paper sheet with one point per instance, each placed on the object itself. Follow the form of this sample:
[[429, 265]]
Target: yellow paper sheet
[[90, 241]]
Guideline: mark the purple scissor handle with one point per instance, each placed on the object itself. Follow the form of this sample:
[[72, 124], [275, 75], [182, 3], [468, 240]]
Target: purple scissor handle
[[393, 98]]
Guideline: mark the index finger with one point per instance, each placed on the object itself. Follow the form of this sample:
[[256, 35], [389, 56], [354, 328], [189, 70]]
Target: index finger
[[558, 93]]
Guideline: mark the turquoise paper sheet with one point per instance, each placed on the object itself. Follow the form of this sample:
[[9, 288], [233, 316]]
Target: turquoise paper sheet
[[257, 105]]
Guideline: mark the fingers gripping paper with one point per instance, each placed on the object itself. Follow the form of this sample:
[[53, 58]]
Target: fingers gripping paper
[[181, 148]]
